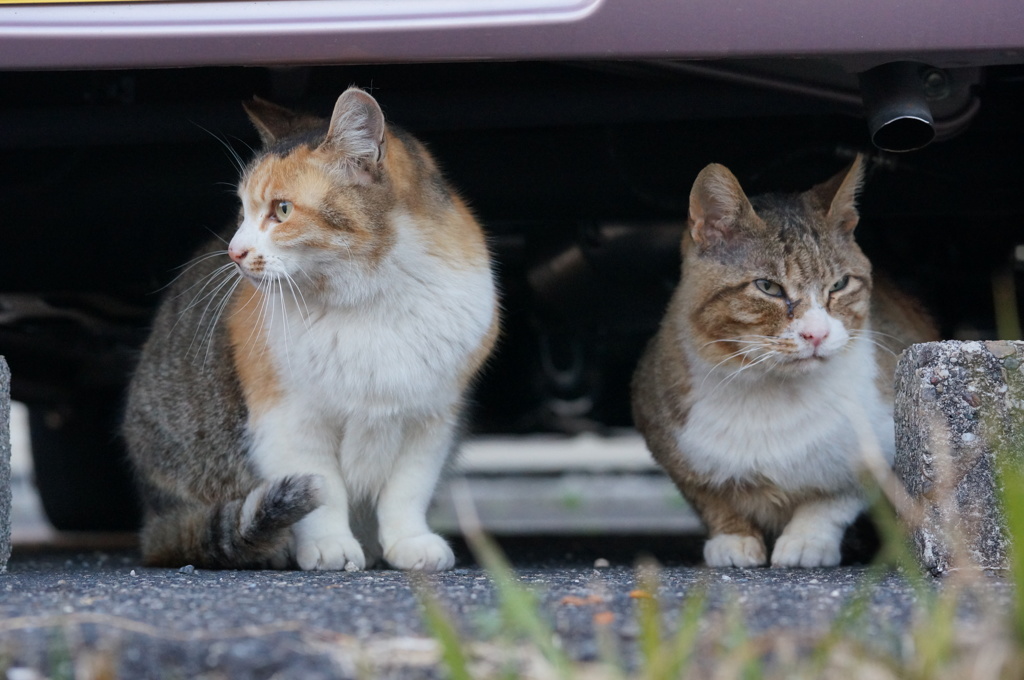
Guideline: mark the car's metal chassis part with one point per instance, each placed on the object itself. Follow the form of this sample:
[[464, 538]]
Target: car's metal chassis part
[[943, 33]]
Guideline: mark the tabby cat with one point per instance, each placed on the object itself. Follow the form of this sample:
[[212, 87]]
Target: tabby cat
[[772, 371], [298, 402]]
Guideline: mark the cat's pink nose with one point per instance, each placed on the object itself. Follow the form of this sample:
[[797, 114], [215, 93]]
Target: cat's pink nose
[[237, 254], [815, 336]]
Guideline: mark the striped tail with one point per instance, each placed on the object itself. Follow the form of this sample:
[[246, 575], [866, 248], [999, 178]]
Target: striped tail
[[248, 533]]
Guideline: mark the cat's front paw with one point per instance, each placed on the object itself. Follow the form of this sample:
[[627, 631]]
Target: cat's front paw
[[735, 550], [805, 550], [330, 553], [426, 552]]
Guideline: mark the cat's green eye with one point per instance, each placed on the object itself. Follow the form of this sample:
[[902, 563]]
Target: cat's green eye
[[283, 210], [770, 288], [840, 284]]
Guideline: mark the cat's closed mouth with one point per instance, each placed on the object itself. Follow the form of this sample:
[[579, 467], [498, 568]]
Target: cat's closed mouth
[[256, 277], [812, 360]]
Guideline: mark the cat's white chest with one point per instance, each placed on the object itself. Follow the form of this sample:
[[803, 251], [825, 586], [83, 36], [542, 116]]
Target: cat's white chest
[[405, 357], [798, 433]]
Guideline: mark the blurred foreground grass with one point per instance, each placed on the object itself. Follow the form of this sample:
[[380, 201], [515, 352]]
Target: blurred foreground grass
[[957, 630], [697, 643]]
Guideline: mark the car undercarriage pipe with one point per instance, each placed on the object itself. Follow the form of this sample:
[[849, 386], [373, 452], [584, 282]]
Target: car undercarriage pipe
[[896, 104]]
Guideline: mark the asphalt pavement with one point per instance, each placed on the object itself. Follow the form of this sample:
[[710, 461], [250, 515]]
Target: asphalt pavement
[[99, 614], [83, 607]]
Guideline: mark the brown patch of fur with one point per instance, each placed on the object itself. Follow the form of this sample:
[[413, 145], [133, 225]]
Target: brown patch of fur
[[457, 240], [449, 228], [247, 338], [661, 388], [899, 321]]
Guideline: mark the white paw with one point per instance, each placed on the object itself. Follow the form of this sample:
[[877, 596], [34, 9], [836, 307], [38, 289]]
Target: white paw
[[332, 552], [734, 550], [805, 550], [426, 552]]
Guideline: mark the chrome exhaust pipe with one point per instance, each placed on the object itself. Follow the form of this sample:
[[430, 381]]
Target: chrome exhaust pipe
[[899, 118]]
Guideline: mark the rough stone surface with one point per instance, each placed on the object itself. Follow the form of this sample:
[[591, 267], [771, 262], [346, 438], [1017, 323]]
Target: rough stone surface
[[5, 464], [959, 408]]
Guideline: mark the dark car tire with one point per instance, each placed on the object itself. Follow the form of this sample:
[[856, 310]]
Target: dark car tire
[[81, 469]]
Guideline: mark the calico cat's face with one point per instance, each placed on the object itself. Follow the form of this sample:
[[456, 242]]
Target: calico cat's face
[[313, 203], [778, 282]]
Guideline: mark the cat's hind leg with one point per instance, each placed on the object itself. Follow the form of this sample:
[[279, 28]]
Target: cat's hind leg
[[814, 534], [241, 533]]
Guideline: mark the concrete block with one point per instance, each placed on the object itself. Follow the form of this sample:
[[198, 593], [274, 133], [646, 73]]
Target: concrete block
[[5, 464], [958, 407]]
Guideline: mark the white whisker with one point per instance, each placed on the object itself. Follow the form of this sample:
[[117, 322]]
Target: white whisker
[[870, 331], [233, 155], [265, 320], [210, 298], [304, 312], [219, 238], [250, 342], [225, 300], [203, 294], [741, 339], [286, 326], [858, 336], [743, 352], [203, 283], [770, 354], [245, 144], [185, 268]]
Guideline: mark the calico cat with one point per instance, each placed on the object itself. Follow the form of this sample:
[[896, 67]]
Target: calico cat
[[772, 368], [297, 403]]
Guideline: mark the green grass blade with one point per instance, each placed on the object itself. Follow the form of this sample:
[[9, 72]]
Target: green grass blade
[[681, 652], [441, 627], [1011, 486], [519, 606], [648, 612]]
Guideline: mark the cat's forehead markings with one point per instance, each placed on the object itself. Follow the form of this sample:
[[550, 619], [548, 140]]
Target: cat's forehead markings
[[286, 177], [259, 178], [805, 264]]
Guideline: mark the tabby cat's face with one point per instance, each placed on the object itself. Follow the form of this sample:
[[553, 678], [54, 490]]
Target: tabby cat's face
[[783, 287]]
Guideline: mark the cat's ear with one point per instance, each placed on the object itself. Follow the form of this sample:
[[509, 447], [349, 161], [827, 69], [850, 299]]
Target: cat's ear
[[274, 122], [839, 195], [717, 203], [356, 133]]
